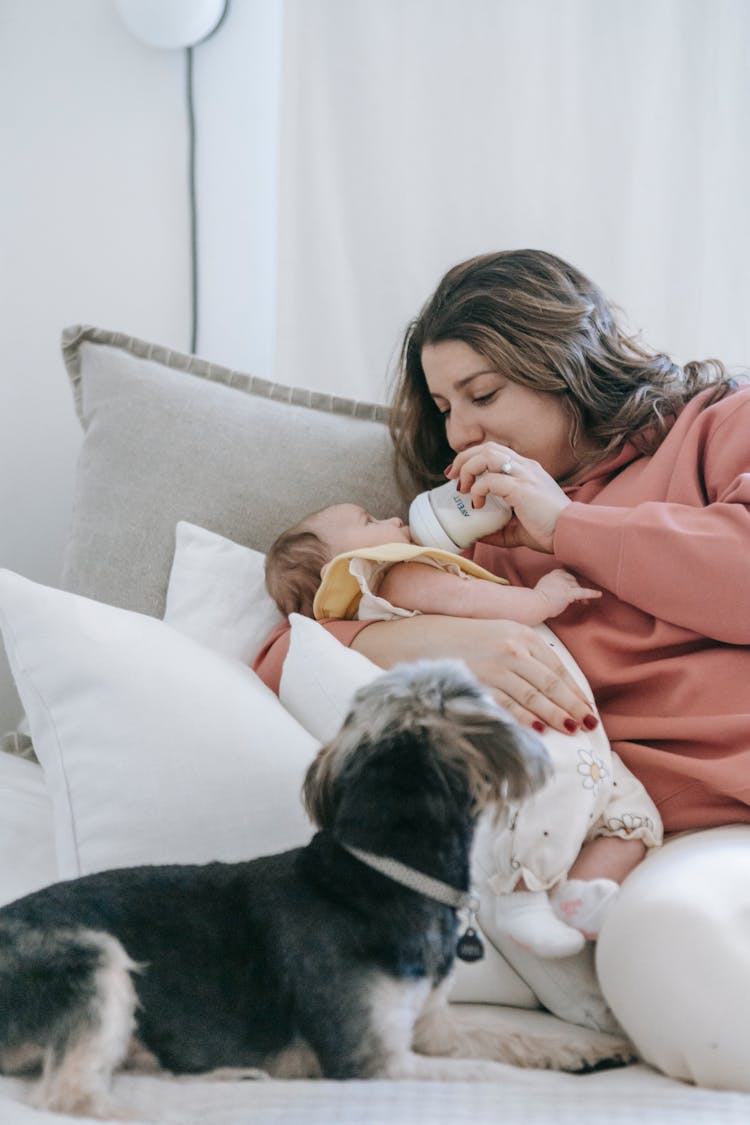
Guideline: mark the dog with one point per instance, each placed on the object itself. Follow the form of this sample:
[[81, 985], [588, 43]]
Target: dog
[[330, 960]]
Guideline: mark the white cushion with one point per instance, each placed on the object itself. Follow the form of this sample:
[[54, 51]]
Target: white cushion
[[27, 849], [217, 593], [320, 677], [154, 748], [674, 957]]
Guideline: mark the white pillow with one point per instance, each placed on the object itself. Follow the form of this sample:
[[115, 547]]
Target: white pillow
[[217, 593], [27, 849], [154, 748], [320, 676]]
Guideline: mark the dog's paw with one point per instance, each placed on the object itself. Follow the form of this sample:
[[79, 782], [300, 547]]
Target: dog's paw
[[594, 1051]]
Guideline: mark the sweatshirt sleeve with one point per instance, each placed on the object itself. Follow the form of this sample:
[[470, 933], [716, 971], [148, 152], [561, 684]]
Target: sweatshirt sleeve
[[270, 660], [688, 564]]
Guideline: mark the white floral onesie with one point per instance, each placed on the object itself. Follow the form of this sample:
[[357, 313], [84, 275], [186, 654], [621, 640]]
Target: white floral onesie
[[590, 793]]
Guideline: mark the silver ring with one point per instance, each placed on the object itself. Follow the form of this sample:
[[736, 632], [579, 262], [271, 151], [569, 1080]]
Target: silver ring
[[506, 467]]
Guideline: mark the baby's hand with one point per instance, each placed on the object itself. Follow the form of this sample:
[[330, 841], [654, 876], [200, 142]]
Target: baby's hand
[[560, 589]]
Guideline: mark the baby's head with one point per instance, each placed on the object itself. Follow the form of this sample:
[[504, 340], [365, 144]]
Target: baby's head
[[297, 558]]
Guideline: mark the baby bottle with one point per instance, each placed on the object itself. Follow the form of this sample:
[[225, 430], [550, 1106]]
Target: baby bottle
[[445, 518]]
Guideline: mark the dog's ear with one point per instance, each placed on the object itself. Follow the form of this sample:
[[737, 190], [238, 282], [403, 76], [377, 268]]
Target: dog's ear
[[505, 761], [442, 705], [319, 790]]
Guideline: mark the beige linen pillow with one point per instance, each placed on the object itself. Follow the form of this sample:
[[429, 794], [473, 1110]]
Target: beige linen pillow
[[171, 437]]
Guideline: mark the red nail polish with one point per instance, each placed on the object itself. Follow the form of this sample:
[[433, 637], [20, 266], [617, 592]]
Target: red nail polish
[[571, 726], [447, 469], [538, 726], [590, 722]]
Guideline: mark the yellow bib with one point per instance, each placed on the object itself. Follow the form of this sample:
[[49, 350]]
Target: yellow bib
[[339, 594]]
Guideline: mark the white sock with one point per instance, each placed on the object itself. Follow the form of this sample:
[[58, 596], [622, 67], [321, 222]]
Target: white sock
[[584, 903], [528, 917]]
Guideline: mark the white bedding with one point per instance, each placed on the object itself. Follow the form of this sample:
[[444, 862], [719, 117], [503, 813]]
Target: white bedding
[[639, 1097], [633, 1095]]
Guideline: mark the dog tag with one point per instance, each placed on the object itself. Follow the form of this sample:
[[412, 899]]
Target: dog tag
[[469, 946]]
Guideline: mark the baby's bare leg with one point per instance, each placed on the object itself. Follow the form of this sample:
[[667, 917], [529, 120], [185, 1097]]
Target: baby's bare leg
[[608, 857], [585, 898]]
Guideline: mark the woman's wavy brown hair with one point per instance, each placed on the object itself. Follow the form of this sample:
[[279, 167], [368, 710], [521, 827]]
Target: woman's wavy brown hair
[[541, 323]]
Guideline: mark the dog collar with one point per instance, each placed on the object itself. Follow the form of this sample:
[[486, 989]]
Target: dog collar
[[469, 946]]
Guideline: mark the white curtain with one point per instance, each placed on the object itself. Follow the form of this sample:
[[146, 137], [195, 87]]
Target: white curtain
[[419, 132]]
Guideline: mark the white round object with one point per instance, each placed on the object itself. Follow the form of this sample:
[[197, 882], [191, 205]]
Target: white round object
[[171, 23], [446, 519], [426, 528]]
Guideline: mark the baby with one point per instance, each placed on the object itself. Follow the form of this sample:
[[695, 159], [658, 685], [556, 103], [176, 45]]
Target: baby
[[335, 556], [341, 562]]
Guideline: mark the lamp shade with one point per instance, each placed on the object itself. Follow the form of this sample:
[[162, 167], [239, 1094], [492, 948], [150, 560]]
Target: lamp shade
[[171, 24]]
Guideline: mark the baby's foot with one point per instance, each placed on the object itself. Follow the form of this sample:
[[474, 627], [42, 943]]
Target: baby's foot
[[584, 903], [528, 917]]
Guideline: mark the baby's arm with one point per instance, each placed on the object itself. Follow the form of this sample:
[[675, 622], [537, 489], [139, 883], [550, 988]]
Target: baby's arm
[[414, 585]]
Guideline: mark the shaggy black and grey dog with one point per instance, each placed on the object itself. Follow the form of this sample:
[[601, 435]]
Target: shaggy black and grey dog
[[326, 960]]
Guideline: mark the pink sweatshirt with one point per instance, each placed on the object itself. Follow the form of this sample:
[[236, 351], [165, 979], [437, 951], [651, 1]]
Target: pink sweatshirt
[[667, 647]]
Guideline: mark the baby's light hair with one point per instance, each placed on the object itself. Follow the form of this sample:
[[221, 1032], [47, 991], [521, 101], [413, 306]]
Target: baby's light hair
[[293, 566]]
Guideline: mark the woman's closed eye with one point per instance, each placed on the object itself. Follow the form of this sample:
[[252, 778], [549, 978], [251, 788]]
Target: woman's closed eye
[[479, 400]]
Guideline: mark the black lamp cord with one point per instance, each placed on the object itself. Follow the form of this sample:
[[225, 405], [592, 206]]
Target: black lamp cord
[[192, 192], [192, 201]]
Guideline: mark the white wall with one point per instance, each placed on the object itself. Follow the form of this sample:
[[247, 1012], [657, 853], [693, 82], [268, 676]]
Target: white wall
[[237, 105], [94, 226], [417, 133]]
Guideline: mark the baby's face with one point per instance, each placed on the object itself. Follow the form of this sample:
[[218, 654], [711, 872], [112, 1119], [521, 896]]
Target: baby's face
[[347, 527]]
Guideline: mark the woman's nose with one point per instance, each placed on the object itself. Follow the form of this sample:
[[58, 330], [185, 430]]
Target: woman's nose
[[462, 433]]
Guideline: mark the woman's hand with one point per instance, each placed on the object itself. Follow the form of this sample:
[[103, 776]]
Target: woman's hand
[[535, 497], [525, 675]]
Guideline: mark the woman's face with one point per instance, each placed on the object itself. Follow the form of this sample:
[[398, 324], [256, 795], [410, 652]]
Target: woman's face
[[479, 404]]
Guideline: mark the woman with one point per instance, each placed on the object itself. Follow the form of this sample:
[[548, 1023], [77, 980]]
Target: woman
[[627, 469]]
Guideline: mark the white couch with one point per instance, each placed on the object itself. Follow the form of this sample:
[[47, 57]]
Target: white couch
[[154, 742]]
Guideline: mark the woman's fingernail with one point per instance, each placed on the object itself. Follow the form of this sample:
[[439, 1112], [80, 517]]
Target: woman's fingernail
[[538, 726], [590, 722], [571, 726], [447, 470]]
